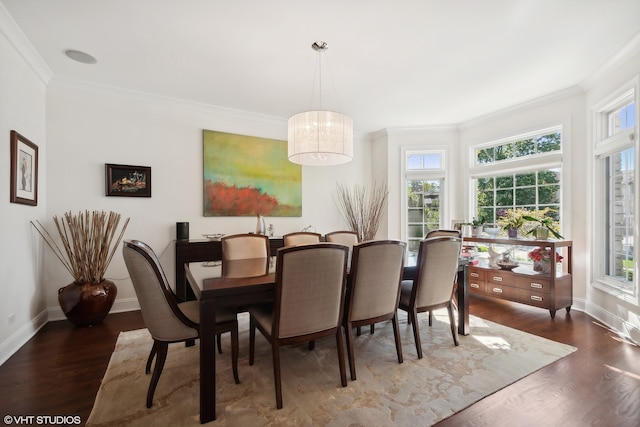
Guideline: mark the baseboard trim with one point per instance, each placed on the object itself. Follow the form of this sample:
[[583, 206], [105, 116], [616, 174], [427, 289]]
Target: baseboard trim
[[21, 336], [119, 306], [25, 333], [617, 324]]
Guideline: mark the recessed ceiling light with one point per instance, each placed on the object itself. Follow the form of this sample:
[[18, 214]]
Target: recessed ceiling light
[[79, 56]]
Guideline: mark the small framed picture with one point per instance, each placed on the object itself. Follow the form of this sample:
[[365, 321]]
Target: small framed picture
[[457, 224], [127, 181], [24, 170]]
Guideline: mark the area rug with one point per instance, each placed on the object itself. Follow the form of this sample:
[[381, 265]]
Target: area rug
[[416, 392]]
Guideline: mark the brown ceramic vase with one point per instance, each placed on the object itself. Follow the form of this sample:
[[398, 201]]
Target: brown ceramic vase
[[87, 304]]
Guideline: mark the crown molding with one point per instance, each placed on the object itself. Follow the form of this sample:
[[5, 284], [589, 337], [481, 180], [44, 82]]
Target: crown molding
[[11, 31], [629, 50]]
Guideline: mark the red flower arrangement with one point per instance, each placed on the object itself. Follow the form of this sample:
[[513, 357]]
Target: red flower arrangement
[[543, 254]]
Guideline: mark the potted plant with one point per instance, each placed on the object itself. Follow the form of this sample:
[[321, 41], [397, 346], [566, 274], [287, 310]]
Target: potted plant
[[545, 225], [86, 250], [542, 259], [477, 223], [511, 220]]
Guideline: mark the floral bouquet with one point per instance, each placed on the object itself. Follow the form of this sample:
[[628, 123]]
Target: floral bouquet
[[542, 259]]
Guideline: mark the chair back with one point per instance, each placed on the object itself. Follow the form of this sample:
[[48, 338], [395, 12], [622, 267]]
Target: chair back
[[347, 238], [438, 233], [309, 290], [245, 255], [162, 316], [244, 246], [376, 274], [301, 238], [437, 269]]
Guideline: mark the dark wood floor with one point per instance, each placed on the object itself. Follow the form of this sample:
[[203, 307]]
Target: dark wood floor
[[58, 372]]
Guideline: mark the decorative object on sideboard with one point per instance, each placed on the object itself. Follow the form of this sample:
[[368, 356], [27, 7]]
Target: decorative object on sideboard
[[362, 208], [89, 240], [511, 220], [24, 170], [260, 225], [127, 181], [542, 257], [545, 224], [477, 223], [182, 230], [320, 137]]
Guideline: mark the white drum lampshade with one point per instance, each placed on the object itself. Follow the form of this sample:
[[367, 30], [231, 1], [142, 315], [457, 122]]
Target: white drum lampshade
[[320, 138]]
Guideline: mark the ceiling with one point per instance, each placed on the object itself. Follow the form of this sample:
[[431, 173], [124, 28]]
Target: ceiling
[[390, 64]]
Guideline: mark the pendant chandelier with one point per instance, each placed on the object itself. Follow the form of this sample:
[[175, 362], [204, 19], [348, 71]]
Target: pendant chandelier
[[320, 137]]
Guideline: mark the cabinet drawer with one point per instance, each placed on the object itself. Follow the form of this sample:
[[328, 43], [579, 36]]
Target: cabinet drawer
[[500, 277], [532, 284], [500, 291], [537, 299], [476, 286], [477, 275]]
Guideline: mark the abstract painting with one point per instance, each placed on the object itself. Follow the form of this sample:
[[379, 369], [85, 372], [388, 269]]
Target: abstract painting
[[247, 175]]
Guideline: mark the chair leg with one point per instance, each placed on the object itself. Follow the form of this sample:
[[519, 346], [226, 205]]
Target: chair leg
[[252, 339], [152, 354], [452, 322], [358, 331], [219, 340], [275, 350], [234, 352], [396, 335], [161, 356], [416, 331], [340, 345], [312, 345], [372, 328], [348, 332], [430, 318]]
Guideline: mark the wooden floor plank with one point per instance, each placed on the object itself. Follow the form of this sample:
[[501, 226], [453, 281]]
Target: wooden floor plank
[[58, 372]]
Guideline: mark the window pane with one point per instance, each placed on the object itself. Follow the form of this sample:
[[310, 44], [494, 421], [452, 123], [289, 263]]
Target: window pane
[[424, 161], [620, 216], [423, 210], [520, 148]]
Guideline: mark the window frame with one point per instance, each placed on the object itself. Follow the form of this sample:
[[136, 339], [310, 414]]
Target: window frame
[[603, 147], [424, 174]]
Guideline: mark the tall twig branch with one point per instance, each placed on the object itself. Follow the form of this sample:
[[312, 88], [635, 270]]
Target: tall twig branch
[[362, 208]]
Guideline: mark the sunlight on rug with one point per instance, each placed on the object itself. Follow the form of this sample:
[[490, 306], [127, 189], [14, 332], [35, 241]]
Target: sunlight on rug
[[417, 392]]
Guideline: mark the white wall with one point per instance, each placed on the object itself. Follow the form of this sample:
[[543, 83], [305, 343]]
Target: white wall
[[89, 127], [22, 108]]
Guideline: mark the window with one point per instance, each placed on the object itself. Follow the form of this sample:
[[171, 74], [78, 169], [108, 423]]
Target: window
[[508, 174], [615, 157], [424, 173]]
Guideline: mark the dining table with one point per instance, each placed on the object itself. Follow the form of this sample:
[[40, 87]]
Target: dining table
[[215, 289]]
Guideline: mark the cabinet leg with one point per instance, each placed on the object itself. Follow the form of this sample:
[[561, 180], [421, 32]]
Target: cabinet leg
[[568, 309], [553, 314]]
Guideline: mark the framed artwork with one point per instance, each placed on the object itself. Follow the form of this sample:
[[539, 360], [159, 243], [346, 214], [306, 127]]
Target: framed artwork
[[127, 181], [248, 176], [24, 170], [457, 224]]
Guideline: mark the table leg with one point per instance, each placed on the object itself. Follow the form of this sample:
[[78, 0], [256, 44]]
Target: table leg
[[207, 361], [463, 301]]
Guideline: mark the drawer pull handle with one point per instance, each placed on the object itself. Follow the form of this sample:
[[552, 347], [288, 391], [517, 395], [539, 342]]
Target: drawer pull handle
[[474, 285], [536, 285], [536, 298], [497, 290], [497, 278], [475, 275]]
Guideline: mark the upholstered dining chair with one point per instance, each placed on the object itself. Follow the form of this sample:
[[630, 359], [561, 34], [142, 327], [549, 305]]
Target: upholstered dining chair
[[442, 232], [347, 238], [433, 285], [439, 233], [308, 303], [301, 238], [167, 320], [374, 290], [242, 247]]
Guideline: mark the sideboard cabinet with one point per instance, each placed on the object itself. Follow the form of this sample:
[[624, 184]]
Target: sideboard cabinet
[[551, 291]]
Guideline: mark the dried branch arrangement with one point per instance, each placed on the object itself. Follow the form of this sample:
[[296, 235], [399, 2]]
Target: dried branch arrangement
[[87, 242], [362, 208]]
